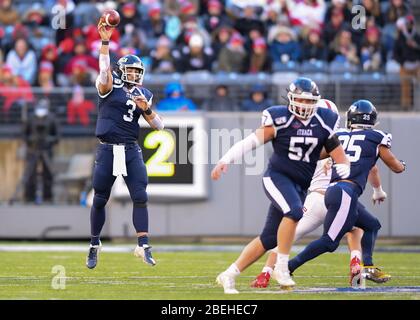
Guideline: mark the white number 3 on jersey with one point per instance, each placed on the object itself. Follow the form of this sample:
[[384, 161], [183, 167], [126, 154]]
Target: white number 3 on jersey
[[130, 116]]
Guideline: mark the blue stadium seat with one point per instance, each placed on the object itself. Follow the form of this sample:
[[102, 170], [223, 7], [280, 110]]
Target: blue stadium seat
[[314, 67], [286, 67], [336, 67]]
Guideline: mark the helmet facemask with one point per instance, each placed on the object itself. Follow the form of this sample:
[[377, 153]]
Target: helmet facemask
[[301, 109], [138, 76]]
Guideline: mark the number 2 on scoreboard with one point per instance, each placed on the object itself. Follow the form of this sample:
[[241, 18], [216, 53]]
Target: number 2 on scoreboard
[[157, 165]]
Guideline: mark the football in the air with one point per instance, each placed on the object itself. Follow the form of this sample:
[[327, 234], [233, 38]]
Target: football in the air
[[110, 18]]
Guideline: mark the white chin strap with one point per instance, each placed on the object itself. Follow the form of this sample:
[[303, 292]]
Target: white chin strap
[[302, 110]]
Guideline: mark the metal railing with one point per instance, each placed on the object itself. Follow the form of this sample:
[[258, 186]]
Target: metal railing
[[383, 90]]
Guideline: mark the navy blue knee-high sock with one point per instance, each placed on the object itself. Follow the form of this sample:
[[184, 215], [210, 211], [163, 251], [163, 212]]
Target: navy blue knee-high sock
[[97, 221], [312, 250], [141, 223], [368, 244]]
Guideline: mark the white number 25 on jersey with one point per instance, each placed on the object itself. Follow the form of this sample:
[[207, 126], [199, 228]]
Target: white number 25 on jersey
[[349, 145]]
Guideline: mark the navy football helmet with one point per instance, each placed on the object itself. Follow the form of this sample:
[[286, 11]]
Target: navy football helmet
[[303, 88], [362, 114], [130, 61]]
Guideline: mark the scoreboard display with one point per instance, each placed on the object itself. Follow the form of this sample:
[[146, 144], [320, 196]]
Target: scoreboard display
[[175, 159]]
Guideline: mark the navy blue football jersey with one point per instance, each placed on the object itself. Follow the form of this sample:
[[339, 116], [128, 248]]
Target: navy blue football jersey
[[298, 143], [118, 114], [362, 149]]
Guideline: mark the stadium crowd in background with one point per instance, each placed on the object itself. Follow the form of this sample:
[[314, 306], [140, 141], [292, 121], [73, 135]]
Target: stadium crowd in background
[[189, 35]]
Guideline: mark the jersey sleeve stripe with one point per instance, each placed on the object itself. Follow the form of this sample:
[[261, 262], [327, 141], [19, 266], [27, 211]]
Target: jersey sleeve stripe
[[331, 131]]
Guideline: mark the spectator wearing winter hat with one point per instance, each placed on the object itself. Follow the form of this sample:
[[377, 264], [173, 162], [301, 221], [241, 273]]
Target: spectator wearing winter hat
[[23, 60], [40, 32], [258, 99], [232, 58], [313, 48], [49, 54], [187, 9], [45, 77], [78, 108], [215, 17], [162, 60], [284, 47], [175, 99], [372, 53], [220, 38], [189, 27], [14, 91], [81, 58], [258, 60], [154, 24], [196, 56], [129, 17], [275, 13]]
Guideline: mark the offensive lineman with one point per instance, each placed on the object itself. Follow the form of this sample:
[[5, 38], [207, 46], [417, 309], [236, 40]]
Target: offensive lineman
[[122, 102], [298, 132], [314, 216]]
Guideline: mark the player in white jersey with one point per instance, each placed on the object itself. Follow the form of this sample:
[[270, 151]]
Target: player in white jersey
[[315, 212]]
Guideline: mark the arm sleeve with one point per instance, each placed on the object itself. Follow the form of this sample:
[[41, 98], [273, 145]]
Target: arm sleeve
[[240, 148], [97, 89]]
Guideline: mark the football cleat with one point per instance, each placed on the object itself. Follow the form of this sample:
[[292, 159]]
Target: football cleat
[[227, 281], [376, 275], [92, 258], [261, 281], [145, 254], [283, 278], [355, 272]]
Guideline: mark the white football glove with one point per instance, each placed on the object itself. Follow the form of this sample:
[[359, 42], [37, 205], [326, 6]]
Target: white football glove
[[379, 195], [343, 170]]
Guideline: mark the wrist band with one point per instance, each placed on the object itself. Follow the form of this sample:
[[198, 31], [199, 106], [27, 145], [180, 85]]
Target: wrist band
[[148, 111], [105, 42]]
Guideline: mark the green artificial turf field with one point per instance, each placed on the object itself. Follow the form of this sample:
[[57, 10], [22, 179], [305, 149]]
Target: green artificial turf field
[[190, 275]]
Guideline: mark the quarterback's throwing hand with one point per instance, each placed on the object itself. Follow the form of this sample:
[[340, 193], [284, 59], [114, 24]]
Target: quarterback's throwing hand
[[142, 102], [218, 169], [105, 32]]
